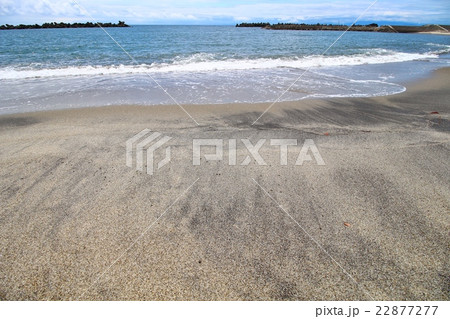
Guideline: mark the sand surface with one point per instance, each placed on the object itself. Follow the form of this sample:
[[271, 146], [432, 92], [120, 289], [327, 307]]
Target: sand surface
[[77, 223], [436, 32]]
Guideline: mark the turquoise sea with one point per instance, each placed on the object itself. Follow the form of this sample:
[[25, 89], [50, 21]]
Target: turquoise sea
[[63, 68]]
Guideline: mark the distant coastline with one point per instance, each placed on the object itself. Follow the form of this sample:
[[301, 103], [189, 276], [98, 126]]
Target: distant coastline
[[62, 25], [373, 27]]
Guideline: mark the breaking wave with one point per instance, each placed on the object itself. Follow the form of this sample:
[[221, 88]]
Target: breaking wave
[[204, 62]]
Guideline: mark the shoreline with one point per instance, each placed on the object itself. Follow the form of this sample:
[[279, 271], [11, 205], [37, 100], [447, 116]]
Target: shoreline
[[435, 32], [261, 106], [429, 28], [379, 207]]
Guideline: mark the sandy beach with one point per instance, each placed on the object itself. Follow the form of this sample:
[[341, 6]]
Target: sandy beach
[[77, 224], [436, 32]]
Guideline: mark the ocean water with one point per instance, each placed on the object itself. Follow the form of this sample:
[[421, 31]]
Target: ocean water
[[66, 68]]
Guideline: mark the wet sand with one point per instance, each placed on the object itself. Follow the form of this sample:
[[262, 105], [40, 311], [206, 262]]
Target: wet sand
[[77, 224]]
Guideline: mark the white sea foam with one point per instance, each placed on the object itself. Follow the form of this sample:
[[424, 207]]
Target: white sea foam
[[208, 62], [439, 48]]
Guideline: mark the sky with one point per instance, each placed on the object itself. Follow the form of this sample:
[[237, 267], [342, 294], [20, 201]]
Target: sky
[[214, 12]]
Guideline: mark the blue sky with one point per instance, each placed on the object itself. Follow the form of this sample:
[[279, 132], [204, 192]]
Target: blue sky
[[225, 12]]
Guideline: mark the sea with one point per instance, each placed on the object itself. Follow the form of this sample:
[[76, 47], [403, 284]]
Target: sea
[[47, 69]]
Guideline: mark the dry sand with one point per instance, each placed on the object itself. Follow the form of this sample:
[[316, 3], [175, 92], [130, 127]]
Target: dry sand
[[436, 32], [71, 209]]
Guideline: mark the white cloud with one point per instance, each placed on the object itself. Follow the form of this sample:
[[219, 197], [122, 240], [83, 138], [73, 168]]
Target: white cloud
[[37, 7], [170, 11]]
